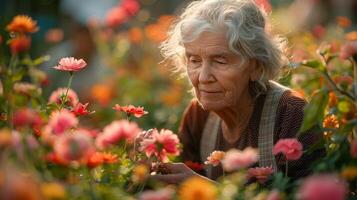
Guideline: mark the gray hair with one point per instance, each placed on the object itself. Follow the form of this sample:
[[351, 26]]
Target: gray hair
[[245, 26]]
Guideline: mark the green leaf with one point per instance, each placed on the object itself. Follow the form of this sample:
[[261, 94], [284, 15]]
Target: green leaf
[[314, 111], [41, 60], [315, 64]]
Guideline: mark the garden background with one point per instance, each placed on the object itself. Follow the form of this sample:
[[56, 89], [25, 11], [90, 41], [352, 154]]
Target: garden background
[[123, 67]]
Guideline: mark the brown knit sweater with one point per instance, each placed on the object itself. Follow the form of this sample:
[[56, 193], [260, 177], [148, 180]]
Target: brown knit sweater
[[288, 121]]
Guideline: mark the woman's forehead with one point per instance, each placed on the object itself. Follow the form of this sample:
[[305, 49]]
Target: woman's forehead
[[208, 43]]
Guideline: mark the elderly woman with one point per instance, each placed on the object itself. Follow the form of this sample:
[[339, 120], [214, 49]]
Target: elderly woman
[[231, 60]]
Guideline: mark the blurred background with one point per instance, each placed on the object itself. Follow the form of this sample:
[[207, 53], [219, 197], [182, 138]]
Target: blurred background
[[122, 49]]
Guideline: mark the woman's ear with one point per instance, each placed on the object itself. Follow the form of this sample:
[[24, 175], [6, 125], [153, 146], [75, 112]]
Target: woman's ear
[[256, 70]]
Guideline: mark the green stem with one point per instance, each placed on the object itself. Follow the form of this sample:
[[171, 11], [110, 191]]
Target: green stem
[[8, 90], [348, 95], [286, 168], [64, 100]]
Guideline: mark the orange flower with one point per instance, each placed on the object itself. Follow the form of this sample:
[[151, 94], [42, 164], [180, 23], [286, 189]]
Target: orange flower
[[102, 93], [20, 44], [215, 158], [343, 21], [110, 158], [135, 35], [197, 188], [95, 159], [140, 173], [157, 32], [351, 36], [332, 101], [331, 121], [22, 24]]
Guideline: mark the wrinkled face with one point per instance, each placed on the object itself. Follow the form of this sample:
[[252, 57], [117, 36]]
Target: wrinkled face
[[220, 77]]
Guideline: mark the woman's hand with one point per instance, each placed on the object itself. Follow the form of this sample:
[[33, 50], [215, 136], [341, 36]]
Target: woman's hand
[[177, 172]]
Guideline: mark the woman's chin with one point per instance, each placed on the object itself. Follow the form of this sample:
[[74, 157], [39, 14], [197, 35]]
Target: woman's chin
[[212, 106]]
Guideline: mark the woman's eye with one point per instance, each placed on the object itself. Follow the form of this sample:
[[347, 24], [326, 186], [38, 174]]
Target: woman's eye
[[221, 62], [194, 60]]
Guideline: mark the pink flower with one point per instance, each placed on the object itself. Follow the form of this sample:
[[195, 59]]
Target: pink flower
[[325, 186], [130, 109], [61, 121], [116, 132], [160, 144], [353, 149], [116, 16], [161, 194], [236, 159], [131, 7], [81, 109], [27, 117], [73, 147], [215, 158], [291, 148], [70, 64], [348, 49], [58, 95], [274, 195], [260, 173]]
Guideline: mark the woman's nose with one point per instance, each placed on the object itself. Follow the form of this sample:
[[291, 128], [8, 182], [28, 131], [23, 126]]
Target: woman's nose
[[206, 75]]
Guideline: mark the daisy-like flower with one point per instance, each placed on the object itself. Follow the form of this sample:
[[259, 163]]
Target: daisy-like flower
[[215, 158], [57, 97], [331, 121], [160, 144], [22, 24], [61, 121], [116, 132], [236, 159], [73, 147], [70, 64], [291, 148], [131, 110]]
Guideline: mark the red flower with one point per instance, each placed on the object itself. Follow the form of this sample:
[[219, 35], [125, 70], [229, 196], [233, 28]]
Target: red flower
[[27, 117], [136, 111], [116, 16], [81, 109], [131, 7], [20, 44], [195, 166], [160, 144], [70, 64], [291, 148]]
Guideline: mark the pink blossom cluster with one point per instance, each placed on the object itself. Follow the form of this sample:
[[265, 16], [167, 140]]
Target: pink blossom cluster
[[121, 130], [236, 159], [160, 144]]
